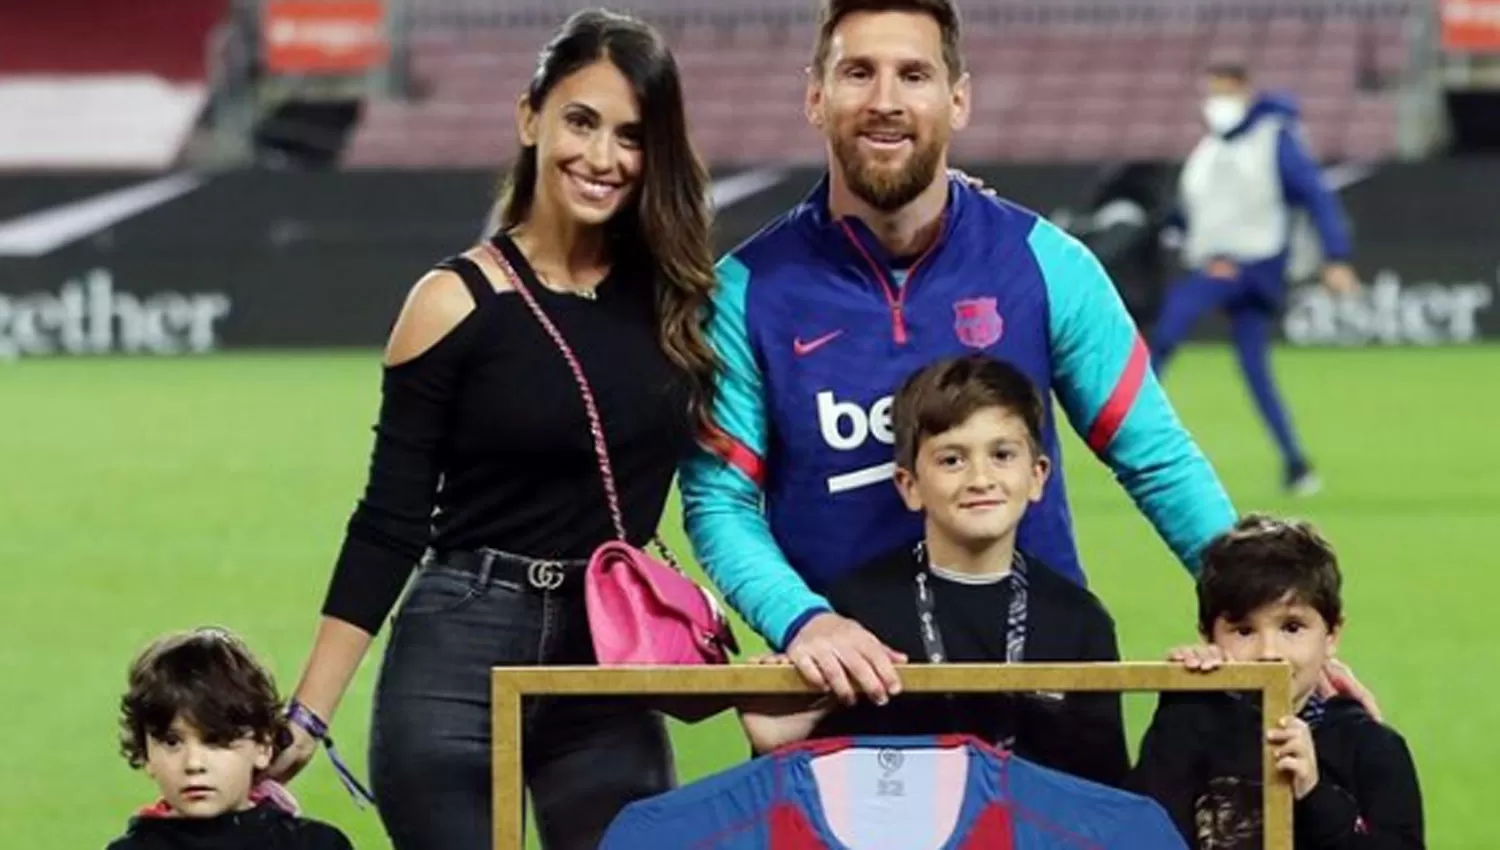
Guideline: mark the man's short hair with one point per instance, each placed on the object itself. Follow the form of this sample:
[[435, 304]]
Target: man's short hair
[[209, 678], [944, 394], [1263, 560], [831, 12], [1235, 71]]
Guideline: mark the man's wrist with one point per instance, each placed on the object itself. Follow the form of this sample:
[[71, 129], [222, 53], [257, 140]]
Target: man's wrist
[[800, 622]]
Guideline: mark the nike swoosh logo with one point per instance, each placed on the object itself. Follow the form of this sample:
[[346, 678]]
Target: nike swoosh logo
[[44, 231], [805, 348]]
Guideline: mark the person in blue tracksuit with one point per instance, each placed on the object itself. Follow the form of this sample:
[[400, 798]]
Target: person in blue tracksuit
[[1244, 190], [889, 264]]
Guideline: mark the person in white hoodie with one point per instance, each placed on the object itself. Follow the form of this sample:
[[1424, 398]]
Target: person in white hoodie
[[1243, 191]]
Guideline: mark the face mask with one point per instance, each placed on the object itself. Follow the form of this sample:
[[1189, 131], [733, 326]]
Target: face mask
[[1224, 112]]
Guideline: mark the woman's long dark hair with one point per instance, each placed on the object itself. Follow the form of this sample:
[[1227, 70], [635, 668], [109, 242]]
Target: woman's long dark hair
[[668, 220]]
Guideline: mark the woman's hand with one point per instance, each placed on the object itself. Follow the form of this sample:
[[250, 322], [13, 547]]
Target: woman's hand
[[295, 756]]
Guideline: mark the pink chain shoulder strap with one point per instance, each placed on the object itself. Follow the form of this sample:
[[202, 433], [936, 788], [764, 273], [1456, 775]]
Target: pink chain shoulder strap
[[596, 424]]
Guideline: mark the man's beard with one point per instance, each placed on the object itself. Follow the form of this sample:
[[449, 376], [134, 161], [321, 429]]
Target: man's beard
[[880, 187]]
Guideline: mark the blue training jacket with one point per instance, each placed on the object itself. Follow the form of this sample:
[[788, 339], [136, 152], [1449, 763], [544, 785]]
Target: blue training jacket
[[815, 334]]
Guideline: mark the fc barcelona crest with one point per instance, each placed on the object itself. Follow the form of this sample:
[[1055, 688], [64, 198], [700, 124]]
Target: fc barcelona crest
[[977, 322]]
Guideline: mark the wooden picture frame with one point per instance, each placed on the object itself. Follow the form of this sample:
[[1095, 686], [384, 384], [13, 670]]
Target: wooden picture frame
[[509, 685]]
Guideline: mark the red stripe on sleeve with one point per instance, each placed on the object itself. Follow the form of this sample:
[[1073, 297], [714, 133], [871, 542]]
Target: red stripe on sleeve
[[1113, 414], [737, 455]]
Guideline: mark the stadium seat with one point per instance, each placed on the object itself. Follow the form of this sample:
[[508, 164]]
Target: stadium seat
[[1099, 89], [95, 121], [93, 99]]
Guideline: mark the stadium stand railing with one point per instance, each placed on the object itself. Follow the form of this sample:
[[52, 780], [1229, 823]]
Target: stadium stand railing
[[1054, 80], [509, 686]]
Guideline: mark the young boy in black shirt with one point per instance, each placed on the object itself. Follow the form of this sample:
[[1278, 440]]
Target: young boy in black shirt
[[1270, 591], [201, 716], [968, 456]]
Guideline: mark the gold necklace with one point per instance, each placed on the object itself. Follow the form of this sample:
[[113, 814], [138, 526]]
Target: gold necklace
[[589, 294]]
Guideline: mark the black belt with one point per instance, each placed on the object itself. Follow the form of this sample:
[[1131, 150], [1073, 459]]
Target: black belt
[[538, 574]]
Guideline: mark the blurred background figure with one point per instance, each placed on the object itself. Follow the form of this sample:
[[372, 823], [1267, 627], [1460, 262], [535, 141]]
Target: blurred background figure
[[1240, 193], [1124, 222]]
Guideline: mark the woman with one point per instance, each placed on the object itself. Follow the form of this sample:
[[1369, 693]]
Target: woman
[[605, 220]]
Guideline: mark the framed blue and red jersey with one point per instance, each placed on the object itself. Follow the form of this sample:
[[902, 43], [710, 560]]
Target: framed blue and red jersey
[[892, 792], [816, 327]]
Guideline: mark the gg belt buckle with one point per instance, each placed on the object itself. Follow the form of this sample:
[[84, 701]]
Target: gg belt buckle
[[545, 575]]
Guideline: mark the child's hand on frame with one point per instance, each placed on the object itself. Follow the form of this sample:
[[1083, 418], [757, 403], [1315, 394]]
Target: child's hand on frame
[[777, 720], [783, 706], [1199, 658], [1295, 755]]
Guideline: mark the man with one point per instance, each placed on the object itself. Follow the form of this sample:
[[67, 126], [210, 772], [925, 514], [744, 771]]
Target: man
[[1241, 191], [889, 265]]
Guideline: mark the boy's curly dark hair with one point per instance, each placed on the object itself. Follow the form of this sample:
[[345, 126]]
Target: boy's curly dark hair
[[209, 678], [1262, 560]]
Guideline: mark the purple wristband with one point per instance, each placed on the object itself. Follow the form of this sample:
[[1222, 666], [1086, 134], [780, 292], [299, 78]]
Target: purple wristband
[[314, 725]]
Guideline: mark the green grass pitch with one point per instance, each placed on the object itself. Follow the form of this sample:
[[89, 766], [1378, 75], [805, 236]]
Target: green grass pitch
[[146, 495]]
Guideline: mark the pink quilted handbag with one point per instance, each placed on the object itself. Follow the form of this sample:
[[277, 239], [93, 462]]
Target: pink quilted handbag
[[641, 611]]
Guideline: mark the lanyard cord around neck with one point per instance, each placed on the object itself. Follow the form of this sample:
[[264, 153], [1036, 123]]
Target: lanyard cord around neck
[[1015, 618], [1015, 615]]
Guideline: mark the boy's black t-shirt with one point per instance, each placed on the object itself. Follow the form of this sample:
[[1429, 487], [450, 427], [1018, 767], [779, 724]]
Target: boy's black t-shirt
[[1082, 734], [264, 827], [1201, 760]]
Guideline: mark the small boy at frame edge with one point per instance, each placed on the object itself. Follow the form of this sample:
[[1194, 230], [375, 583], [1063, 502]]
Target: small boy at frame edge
[[1270, 590], [201, 716]]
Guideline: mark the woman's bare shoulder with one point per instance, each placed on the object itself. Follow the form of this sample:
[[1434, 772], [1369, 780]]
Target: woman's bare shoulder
[[436, 304]]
